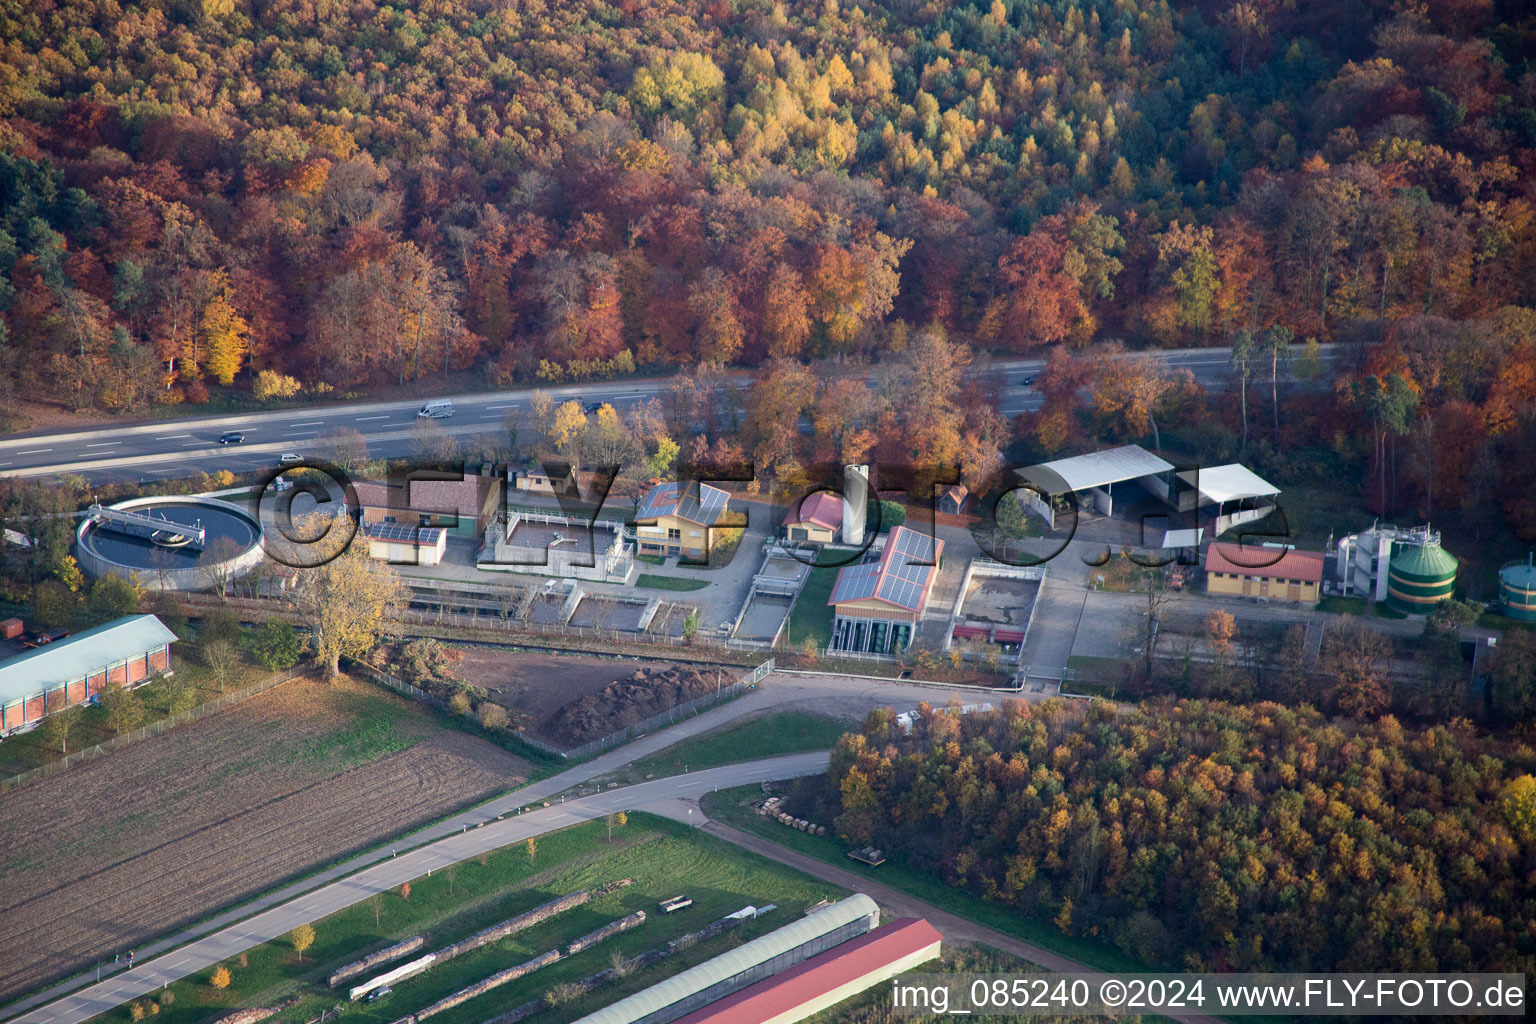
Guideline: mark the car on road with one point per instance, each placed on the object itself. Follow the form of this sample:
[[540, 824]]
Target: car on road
[[231, 437], [287, 458], [593, 407], [1027, 381], [437, 409]]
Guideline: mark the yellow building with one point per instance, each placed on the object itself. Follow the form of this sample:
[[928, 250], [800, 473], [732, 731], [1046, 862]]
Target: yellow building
[[1239, 571], [681, 519], [815, 518]]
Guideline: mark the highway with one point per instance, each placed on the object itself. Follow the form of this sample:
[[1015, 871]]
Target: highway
[[181, 446]]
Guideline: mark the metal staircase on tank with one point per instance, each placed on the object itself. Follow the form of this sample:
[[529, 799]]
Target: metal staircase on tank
[[143, 524]]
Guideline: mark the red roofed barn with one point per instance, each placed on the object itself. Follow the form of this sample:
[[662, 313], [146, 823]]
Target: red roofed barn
[[827, 979]]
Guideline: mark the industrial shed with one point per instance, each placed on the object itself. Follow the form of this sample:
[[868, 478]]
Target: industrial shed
[[745, 965], [406, 545], [827, 979], [878, 605], [1093, 476], [75, 669]]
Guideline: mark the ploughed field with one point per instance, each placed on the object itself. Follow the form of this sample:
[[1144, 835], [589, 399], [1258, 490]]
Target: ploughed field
[[106, 856]]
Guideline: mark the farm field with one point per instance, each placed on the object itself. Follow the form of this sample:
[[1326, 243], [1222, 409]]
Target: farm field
[[663, 857], [167, 831]]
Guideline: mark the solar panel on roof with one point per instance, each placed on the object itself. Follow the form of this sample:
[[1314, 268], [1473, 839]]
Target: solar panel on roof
[[403, 533]]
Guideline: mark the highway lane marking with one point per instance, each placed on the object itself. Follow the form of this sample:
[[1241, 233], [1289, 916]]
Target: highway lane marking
[[172, 437], [103, 444], [360, 419], [35, 451], [512, 406], [311, 423]]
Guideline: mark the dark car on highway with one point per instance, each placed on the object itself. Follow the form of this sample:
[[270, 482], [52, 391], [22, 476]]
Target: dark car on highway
[[231, 437], [1027, 382], [593, 407]]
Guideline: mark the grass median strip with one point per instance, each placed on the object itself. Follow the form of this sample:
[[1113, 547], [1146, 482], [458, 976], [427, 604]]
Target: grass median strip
[[653, 582]]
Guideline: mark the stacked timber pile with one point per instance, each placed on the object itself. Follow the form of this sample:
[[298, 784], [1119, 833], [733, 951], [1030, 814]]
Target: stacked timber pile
[[256, 1014], [607, 931], [573, 990], [511, 926], [372, 960], [481, 987]]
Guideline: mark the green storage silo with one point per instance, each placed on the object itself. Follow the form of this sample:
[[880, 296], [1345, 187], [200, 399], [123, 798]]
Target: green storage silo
[[1420, 574], [1517, 590]]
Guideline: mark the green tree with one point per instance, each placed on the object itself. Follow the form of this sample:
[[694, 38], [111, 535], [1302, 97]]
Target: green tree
[[1243, 347], [1277, 345], [122, 707], [112, 597], [54, 604], [276, 645], [57, 726]]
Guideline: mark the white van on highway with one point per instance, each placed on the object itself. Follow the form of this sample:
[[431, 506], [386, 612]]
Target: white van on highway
[[437, 409]]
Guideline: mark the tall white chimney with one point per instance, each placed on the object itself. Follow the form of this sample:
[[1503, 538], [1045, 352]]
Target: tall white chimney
[[855, 500]]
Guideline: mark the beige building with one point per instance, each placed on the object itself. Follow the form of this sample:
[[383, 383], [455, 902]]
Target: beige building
[[1238, 571], [815, 518], [681, 519], [400, 544]]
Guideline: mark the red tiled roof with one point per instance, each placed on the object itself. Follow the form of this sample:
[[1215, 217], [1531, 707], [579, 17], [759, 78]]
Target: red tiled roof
[[824, 509], [844, 963], [1306, 566]]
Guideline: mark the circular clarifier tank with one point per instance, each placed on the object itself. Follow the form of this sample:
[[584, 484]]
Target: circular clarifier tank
[[170, 543]]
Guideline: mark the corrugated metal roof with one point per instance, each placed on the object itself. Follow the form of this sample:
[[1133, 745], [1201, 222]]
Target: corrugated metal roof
[[79, 655], [826, 972], [901, 577], [728, 965], [1096, 469], [1225, 483]]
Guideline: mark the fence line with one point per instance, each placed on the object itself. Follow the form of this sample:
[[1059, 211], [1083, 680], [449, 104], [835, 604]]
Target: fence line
[[154, 728]]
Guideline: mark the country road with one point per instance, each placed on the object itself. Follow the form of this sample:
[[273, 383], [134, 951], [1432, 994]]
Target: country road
[[177, 447], [848, 698]]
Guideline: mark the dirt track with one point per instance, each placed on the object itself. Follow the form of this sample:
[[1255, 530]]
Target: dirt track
[[171, 829]]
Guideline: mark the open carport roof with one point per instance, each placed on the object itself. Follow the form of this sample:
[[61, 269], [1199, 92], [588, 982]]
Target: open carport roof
[[1222, 484], [1096, 469]]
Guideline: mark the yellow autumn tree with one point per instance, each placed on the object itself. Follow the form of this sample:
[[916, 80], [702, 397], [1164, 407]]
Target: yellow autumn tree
[[225, 334]]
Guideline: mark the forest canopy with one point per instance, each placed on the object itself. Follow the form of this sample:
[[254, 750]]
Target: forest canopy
[[361, 193], [1203, 835]]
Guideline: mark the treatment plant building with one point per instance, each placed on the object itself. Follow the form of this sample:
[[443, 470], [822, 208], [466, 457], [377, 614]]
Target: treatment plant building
[[73, 670]]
